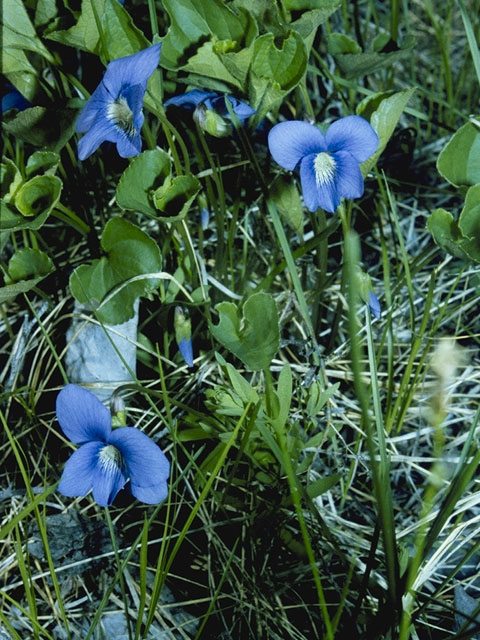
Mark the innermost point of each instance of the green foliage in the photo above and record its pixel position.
(459, 163)
(18, 36)
(192, 21)
(130, 253)
(384, 111)
(27, 263)
(140, 179)
(26, 268)
(290, 456)
(175, 196)
(459, 160)
(309, 21)
(43, 127)
(33, 202)
(281, 62)
(38, 196)
(341, 43)
(462, 238)
(322, 485)
(105, 28)
(147, 185)
(11, 180)
(45, 162)
(252, 337)
(355, 63)
(303, 5)
(285, 195)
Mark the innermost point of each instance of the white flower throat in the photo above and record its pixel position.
(122, 116)
(110, 458)
(325, 168)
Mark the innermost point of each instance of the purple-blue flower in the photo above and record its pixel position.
(114, 113)
(12, 99)
(330, 162)
(212, 101)
(107, 458)
(374, 305)
(186, 350)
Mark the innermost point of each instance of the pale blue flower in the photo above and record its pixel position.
(330, 162)
(114, 111)
(107, 458)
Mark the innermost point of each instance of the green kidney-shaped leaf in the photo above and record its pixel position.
(462, 238)
(42, 162)
(129, 252)
(283, 61)
(140, 179)
(38, 196)
(459, 161)
(174, 197)
(384, 118)
(28, 263)
(24, 264)
(254, 337)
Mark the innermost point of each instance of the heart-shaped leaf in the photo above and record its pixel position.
(252, 337)
(140, 179)
(282, 61)
(462, 238)
(175, 196)
(38, 196)
(459, 161)
(28, 263)
(129, 252)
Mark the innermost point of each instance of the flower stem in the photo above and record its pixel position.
(302, 302)
(120, 571)
(280, 430)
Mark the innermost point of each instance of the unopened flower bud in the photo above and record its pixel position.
(367, 295)
(211, 122)
(117, 409)
(183, 335)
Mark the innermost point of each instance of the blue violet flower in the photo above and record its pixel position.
(210, 110)
(374, 305)
(330, 162)
(106, 457)
(114, 113)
